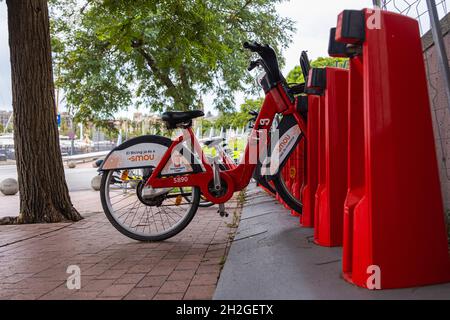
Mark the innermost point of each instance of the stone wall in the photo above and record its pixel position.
(439, 106)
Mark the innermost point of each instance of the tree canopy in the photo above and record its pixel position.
(240, 118)
(161, 54)
(296, 75)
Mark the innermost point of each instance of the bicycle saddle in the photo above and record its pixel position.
(174, 118)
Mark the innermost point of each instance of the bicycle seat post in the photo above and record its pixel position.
(216, 168)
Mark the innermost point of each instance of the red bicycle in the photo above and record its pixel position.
(151, 186)
(224, 159)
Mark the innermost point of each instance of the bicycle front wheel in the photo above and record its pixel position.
(284, 192)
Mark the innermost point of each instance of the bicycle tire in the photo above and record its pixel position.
(264, 182)
(147, 238)
(285, 193)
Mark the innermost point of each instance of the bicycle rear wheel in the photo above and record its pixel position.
(143, 213)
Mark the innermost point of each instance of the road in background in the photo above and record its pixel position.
(78, 179)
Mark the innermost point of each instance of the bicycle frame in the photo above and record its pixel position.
(276, 102)
(227, 161)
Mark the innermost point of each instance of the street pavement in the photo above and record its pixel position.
(35, 259)
(77, 179)
(85, 202)
(269, 257)
(272, 257)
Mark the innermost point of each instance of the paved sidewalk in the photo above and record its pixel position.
(272, 257)
(34, 260)
(86, 202)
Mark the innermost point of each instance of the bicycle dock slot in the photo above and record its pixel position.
(312, 160)
(394, 209)
(371, 182)
(350, 152)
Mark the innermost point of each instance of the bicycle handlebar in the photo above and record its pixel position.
(305, 65)
(268, 60)
(253, 65)
(255, 47)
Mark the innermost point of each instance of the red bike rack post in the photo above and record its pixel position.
(332, 184)
(312, 161)
(394, 217)
(302, 108)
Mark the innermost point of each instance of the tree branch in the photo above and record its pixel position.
(184, 78)
(172, 89)
(237, 13)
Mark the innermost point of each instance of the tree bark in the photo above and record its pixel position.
(44, 196)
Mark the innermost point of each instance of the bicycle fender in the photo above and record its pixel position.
(290, 135)
(141, 152)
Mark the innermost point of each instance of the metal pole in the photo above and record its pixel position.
(377, 3)
(440, 47)
(5, 130)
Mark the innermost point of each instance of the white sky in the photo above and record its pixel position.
(313, 18)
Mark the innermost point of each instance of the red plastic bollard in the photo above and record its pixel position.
(312, 160)
(302, 107)
(394, 217)
(332, 184)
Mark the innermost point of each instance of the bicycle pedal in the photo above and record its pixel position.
(223, 214)
(222, 211)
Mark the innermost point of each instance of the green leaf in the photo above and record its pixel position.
(163, 54)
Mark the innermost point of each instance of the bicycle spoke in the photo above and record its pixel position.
(156, 213)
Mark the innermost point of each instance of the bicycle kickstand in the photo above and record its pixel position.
(218, 186)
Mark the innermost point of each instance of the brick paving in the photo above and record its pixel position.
(34, 260)
(86, 202)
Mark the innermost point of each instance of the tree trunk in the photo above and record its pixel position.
(44, 196)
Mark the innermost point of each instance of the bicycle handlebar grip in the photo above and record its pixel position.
(254, 47)
(252, 65)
